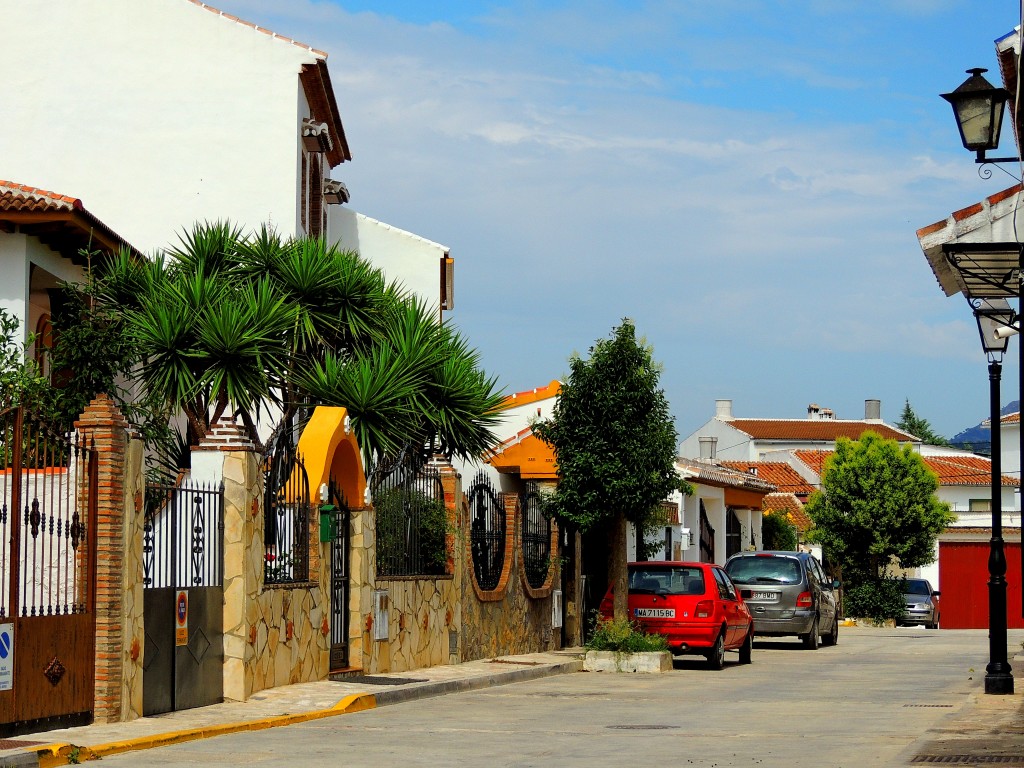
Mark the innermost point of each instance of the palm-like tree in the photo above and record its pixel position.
(263, 325)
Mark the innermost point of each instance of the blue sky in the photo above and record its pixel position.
(743, 179)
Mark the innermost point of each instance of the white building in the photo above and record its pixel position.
(167, 112)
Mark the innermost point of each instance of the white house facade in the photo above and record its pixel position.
(169, 112)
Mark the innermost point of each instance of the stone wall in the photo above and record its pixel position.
(447, 620)
(272, 635)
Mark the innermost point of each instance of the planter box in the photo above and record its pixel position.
(613, 661)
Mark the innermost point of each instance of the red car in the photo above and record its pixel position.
(694, 605)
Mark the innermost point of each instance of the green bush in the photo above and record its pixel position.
(623, 636)
(778, 533)
(879, 601)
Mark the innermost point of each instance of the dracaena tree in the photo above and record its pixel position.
(261, 326)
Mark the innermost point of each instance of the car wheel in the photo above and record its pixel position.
(832, 637)
(747, 649)
(811, 638)
(716, 657)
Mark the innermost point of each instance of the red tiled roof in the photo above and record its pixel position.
(1011, 418)
(789, 505)
(721, 476)
(59, 221)
(778, 473)
(951, 470)
(816, 429)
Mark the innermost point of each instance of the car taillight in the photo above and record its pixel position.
(704, 609)
(804, 601)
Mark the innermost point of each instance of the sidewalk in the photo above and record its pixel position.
(280, 706)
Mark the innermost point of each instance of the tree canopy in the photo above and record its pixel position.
(877, 503)
(615, 445)
(263, 327)
(915, 425)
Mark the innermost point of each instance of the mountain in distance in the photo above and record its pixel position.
(978, 437)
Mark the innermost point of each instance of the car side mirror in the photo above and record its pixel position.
(935, 593)
(836, 584)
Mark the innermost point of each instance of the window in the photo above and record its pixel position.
(980, 505)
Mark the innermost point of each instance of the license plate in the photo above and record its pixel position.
(768, 596)
(655, 613)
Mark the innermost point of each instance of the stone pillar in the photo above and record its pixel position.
(118, 569)
(228, 455)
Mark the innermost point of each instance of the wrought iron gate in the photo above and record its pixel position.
(47, 577)
(707, 537)
(536, 536)
(339, 579)
(733, 533)
(183, 604)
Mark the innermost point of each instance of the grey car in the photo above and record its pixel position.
(787, 593)
(922, 603)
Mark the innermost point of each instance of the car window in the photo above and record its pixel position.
(918, 587)
(765, 569)
(820, 572)
(725, 587)
(812, 572)
(675, 580)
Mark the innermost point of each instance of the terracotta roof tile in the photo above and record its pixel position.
(951, 470)
(19, 197)
(814, 459)
(1011, 418)
(789, 505)
(531, 395)
(716, 474)
(816, 429)
(931, 228)
(778, 473)
(59, 221)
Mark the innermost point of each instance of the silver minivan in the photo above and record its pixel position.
(787, 593)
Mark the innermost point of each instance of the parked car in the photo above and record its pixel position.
(788, 593)
(922, 603)
(694, 605)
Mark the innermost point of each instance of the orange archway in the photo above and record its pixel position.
(329, 450)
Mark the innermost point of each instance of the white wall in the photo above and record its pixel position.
(156, 114)
(409, 258)
(14, 275)
(733, 445)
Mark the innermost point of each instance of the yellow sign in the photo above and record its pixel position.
(181, 618)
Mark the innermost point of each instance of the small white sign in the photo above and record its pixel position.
(6, 657)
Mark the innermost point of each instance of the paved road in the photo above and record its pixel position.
(862, 703)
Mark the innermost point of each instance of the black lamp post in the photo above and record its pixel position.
(992, 316)
(989, 274)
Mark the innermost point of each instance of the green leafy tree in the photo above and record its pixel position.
(615, 445)
(915, 425)
(877, 503)
(20, 378)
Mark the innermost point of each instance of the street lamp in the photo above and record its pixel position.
(978, 107)
(992, 316)
(989, 274)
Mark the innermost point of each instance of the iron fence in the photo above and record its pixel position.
(286, 517)
(183, 536)
(536, 536)
(487, 531)
(411, 518)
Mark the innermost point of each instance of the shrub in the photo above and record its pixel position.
(623, 636)
(879, 601)
(778, 533)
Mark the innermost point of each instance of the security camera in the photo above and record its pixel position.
(1005, 331)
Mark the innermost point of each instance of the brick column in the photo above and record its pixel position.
(118, 567)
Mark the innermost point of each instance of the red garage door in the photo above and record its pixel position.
(963, 581)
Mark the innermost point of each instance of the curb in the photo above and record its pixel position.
(61, 753)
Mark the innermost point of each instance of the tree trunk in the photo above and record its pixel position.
(617, 571)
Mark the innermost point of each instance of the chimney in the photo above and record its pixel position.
(812, 411)
(708, 446)
(723, 410)
(873, 410)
